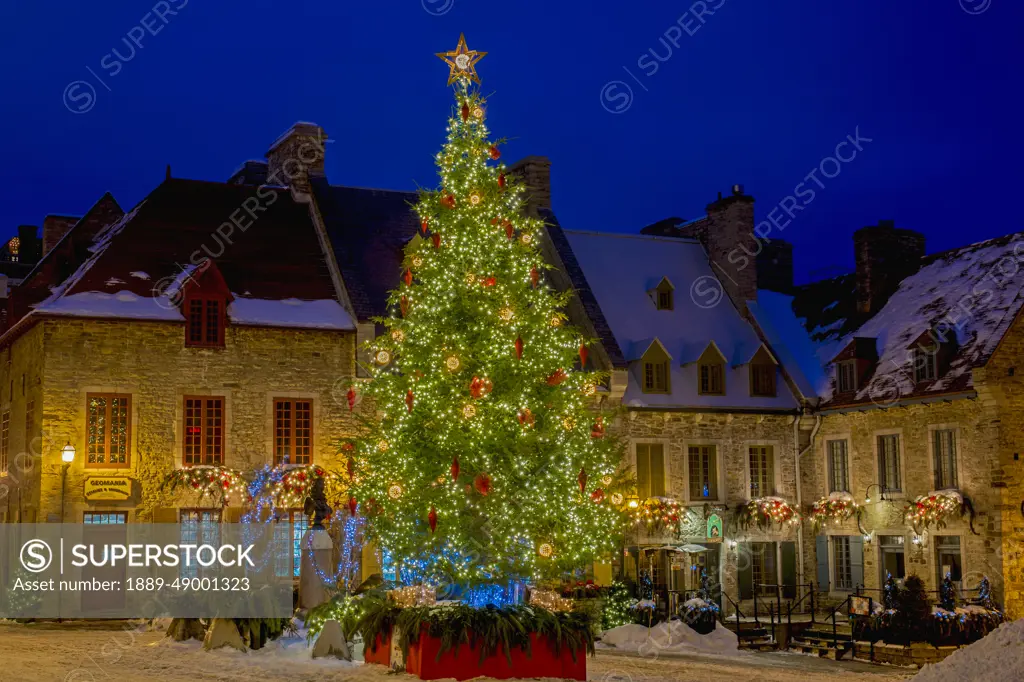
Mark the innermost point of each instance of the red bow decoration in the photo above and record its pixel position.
(478, 387)
(597, 430)
(482, 483)
(489, 281)
(557, 377)
(526, 417)
(597, 495)
(495, 153)
(351, 396)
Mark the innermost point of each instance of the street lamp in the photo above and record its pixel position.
(67, 455)
(867, 493)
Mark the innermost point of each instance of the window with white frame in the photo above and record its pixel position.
(703, 463)
(889, 475)
(838, 466)
(762, 470)
(944, 446)
(650, 470)
(842, 563)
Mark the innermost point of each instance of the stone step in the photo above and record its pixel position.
(821, 649)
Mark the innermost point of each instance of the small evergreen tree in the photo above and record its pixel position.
(914, 610)
(947, 594)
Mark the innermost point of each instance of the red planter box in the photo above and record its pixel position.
(463, 663)
(381, 655)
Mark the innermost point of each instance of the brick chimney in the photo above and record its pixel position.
(885, 256)
(728, 237)
(297, 156)
(535, 172)
(55, 227)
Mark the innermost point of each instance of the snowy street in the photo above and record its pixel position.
(52, 652)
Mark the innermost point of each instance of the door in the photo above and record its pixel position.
(104, 528)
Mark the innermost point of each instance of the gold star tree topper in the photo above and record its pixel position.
(462, 61)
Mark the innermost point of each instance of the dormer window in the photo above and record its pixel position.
(663, 295)
(204, 307)
(925, 363)
(846, 376)
(656, 368)
(762, 374)
(711, 372)
(205, 325)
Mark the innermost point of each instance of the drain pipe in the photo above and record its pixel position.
(799, 486)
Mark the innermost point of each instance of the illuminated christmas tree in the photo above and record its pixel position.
(486, 461)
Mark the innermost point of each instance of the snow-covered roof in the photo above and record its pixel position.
(788, 338)
(619, 270)
(972, 292)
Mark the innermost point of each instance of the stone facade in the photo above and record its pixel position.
(58, 361)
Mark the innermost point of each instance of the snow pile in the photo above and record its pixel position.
(672, 637)
(998, 657)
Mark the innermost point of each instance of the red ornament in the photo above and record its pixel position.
(584, 354)
(495, 153)
(534, 277)
(352, 506)
(409, 399)
(404, 303)
(494, 221)
(455, 469)
(526, 417)
(597, 430)
(196, 484)
(489, 281)
(478, 387)
(351, 468)
(432, 519)
(351, 396)
(448, 200)
(509, 230)
(597, 495)
(582, 479)
(482, 483)
(519, 348)
(436, 238)
(423, 226)
(465, 111)
(557, 377)
(407, 278)
(501, 180)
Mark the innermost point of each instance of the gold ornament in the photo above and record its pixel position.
(569, 423)
(395, 491)
(469, 410)
(589, 389)
(382, 445)
(462, 61)
(417, 261)
(606, 479)
(397, 335)
(556, 320)
(617, 499)
(452, 362)
(382, 357)
(546, 550)
(527, 238)
(478, 113)
(506, 314)
(470, 278)
(475, 197)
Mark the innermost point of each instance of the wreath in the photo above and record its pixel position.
(206, 481)
(836, 508)
(936, 508)
(766, 511)
(658, 513)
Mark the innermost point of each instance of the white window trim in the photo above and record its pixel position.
(957, 455)
(907, 542)
(827, 487)
(719, 458)
(833, 590)
(666, 459)
(776, 474)
(933, 557)
(901, 456)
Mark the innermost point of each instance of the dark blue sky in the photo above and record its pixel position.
(759, 94)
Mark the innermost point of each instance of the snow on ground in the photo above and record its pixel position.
(674, 637)
(998, 657)
(104, 652)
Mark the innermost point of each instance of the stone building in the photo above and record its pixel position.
(203, 328)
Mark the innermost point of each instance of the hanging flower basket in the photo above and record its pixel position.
(214, 481)
(936, 508)
(836, 509)
(658, 513)
(763, 512)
